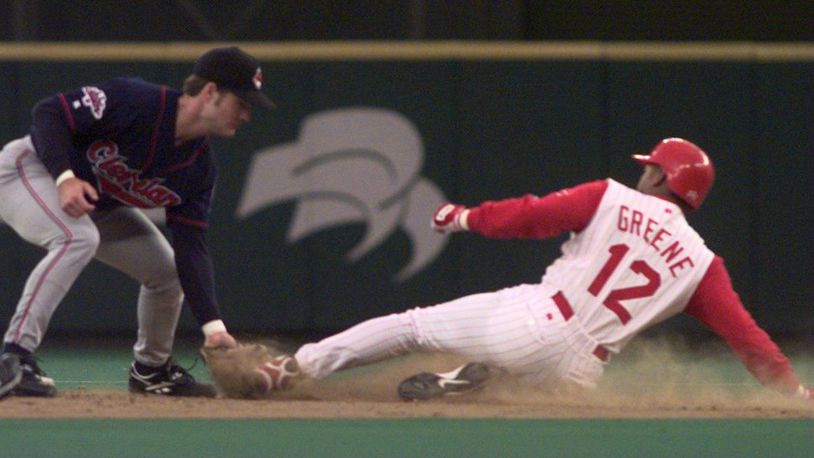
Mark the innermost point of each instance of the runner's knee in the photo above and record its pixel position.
(413, 338)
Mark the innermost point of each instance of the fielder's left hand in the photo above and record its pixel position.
(220, 340)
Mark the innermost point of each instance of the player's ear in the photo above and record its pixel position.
(652, 180)
(659, 177)
(210, 90)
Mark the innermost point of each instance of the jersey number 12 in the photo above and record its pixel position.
(613, 300)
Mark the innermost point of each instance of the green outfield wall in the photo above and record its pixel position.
(322, 207)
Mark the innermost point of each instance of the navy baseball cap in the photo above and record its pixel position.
(231, 68)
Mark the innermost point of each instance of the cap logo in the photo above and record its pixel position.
(258, 79)
(95, 99)
(692, 195)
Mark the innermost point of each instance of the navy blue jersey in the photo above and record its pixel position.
(122, 139)
(120, 136)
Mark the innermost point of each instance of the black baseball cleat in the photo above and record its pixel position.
(10, 373)
(167, 380)
(428, 385)
(33, 381)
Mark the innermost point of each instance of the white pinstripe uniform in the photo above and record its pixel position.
(637, 263)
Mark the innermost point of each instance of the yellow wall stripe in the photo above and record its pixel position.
(401, 50)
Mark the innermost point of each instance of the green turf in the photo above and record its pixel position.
(407, 438)
(95, 366)
(105, 366)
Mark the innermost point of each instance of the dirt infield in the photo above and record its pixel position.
(648, 385)
(117, 404)
(110, 404)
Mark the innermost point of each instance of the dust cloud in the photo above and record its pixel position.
(652, 377)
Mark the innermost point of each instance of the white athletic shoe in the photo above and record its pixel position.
(167, 380)
(428, 385)
(33, 382)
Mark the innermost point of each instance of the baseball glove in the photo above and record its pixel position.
(249, 371)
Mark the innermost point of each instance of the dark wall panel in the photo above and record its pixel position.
(257, 20)
(523, 128)
(466, 131)
(782, 265)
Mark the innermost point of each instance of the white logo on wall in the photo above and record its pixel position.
(348, 166)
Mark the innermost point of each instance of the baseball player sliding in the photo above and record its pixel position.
(632, 261)
(73, 186)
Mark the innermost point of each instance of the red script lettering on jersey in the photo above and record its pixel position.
(123, 183)
(634, 222)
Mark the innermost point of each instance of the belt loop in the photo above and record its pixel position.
(602, 353)
(563, 305)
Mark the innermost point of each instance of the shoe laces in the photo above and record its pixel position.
(29, 364)
(178, 373)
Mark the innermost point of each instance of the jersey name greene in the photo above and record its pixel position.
(655, 235)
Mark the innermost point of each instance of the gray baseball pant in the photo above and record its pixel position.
(123, 238)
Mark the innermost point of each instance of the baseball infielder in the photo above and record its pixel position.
(10, 373)
(73, 186)
(632, 261)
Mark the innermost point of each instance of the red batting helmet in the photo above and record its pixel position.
(689, 171)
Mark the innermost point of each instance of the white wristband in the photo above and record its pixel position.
(802, 392)
(68, 174)
(213, 327)
(461, 222)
